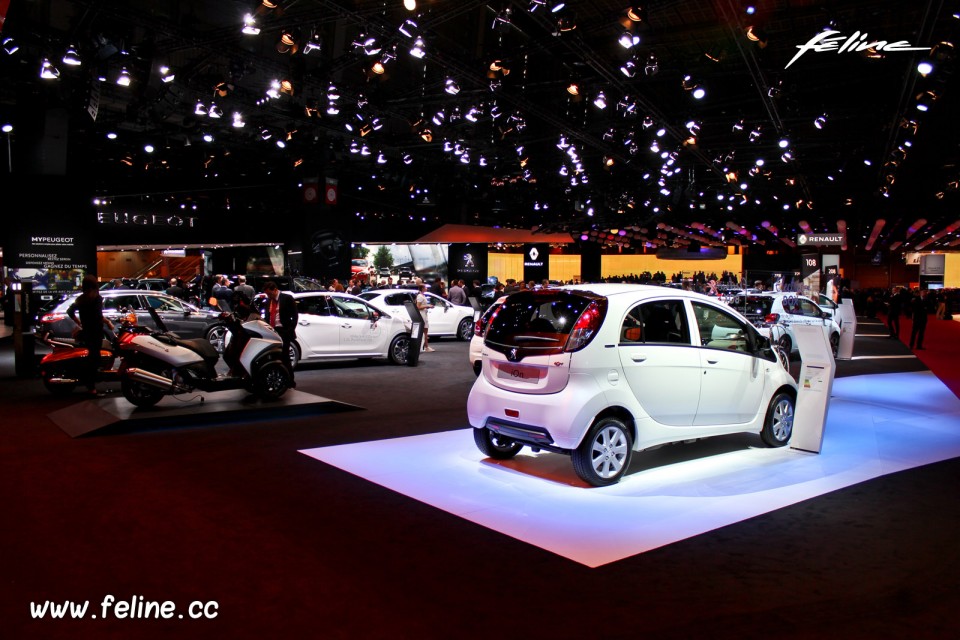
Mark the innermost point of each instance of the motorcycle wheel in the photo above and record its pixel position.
(137, 393)
(271, 381)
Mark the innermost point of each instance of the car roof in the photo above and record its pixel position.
(609, 289)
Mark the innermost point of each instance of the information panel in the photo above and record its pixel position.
(816, 385)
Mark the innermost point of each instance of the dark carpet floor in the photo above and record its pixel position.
(292, 548)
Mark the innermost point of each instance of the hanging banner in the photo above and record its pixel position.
(330, 192)
(536, 262)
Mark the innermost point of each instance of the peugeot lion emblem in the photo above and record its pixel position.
(512, 356)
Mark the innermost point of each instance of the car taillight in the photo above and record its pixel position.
(586, 327)
(53, 317)
(127, 337)
(771, 318)
(480, 328)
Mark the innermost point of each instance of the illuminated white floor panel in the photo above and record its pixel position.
(876, 425)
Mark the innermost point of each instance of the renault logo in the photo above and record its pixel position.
(534, 254)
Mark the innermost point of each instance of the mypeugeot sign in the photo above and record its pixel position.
(821, 239)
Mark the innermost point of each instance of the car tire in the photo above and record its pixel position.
(465, 329)
(216, 336)
(399, 352)
(778, 423)
(835, 343)
(271, 381)
(294, 355)
(137, 393)
(495, 446)
(604, 454)
(786, 344)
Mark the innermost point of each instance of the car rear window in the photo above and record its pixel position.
(539, 321)
(753, 306)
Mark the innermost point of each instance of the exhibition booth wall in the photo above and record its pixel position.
(566, 267)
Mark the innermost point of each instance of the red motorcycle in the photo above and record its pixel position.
(63, 368)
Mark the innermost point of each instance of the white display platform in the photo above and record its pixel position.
(878, 424)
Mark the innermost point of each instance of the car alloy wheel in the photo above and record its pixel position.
(778, 426)
(604, 455)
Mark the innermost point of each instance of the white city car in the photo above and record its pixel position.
(601, 371)
(444, 317)
(775, 315)
(479, 330)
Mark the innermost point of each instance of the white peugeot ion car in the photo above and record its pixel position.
(600, 371)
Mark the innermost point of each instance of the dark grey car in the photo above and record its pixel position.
(184, 319)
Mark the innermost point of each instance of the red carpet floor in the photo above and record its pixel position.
(941, 348)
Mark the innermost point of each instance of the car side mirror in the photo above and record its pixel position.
(374, 316)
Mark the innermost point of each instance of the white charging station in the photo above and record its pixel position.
(847, 317)
(815, 386)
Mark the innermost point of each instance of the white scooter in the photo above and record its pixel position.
(155, 364)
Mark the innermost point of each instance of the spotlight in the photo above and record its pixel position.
(820, 121)
(652, 66)
(699, 93)
(410, 5)
(407, 158)
(238, 120)
(313, 43)
(408, 28)
(71, 58)
(166, 74)
(756, 35)
(417, 50)
(215, 111)
(600, 101)
(10, 46)
(378, 67)
(628, 40)
(637, 13)
(629, 68)
(48, 71)
(124, 78)
(754, 135)
(250, 26)
(451, 87)
(573, 89)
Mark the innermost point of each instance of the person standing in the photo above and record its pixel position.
(243, 295)
(87, 313)
(176, 290)
(894, 309)
(281, 311)
(424, 306)
(456, 294)
(918, 313)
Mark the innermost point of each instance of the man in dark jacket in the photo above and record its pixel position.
(918, 313)
(281, 314)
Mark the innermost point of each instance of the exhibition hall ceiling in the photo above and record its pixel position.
(709, 121)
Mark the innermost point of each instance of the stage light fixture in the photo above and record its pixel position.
(600, 101)
(250, 26)
(451, 87)
(71, 57)
(417, 50)
(166, 74)
(48, 71)
(820, 121)
(636, 13)
(124, 78)
(10, 46)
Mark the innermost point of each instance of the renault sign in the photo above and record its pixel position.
(821, 239)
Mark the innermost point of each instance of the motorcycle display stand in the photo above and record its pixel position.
(113, 415)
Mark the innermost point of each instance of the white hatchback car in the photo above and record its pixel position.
(479, 330)
(600, 371)
(334, 326)
(444, 318)
(775, 315)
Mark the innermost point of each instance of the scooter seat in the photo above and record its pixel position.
(200, 346)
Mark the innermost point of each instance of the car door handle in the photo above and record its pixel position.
(304, 323)
(638, 357)
(709, 361)
(346, 325)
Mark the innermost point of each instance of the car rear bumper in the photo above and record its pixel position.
(554, 421)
